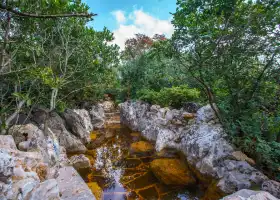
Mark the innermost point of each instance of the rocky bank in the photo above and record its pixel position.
(34, 164)
(197, 133)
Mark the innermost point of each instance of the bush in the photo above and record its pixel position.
(174, 96)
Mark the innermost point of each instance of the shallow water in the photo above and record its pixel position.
(120, 174)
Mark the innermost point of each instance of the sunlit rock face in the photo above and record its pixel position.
(97, 116)
(80, 161)
(84, 114)
(199, 136)
(30, 138)
(72, 186)
(23, 174)
(250, 195)
(55, 125)
(78, 123)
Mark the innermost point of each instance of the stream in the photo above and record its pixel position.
(120, 173)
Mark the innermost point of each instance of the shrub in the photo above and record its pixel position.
(174, 96)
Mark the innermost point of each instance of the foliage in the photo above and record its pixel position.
(174, 96)
(231, 49)
(151, 68)
(52, 62)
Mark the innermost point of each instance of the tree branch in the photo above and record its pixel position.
(23, 14)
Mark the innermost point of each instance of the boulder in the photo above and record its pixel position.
(72, 186)
(39, 116)
(141, 147)
(238, 155)
(200, 138)
(6, 171)
(27, 132)
(47, 190)
(78, 124)
(30, 138)
(23, 188)
(55, 126)
(21, 173)
(21, 119)
(191, 107)
(80, 161)
(6, 166)
(97, 116)
(273, 187)
(84, 114)
(205, 114)
(250, 195)
(7, 142)
(108, 106)
(172, 172)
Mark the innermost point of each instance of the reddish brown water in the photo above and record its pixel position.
(119, 174)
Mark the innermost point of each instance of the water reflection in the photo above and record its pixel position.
(121, 174)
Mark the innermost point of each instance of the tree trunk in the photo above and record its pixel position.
(5, 42)
(53, 98)
(12, 116)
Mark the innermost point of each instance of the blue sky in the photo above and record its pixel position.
(128, 17)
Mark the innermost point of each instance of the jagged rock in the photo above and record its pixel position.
(39, 116)
(238, 175)
(201, 140)
(205, 114)
(26, 132)
(55, 125)
(7, 142)
(273, 187)
(172, 172)
(20, 174)
(250, 195)
(77, 124)
(72, 186)
(191, 107)
(238, 155)
(22, 188)
(6, 166)
(108, 106)
(97, 116)
(30, 138)
(63, 159)
(86, 118)
(72, 144)
(80, 161)
(6, 171)
(24, 146)
(47, 190)
(21, 119)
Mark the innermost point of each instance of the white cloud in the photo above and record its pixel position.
(141, 23)
(119, 15)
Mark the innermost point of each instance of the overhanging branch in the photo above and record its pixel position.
(24, 14)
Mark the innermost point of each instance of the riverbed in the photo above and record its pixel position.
(120, 172)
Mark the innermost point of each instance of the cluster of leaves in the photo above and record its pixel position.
(146, 66)
(52, 61)
(174, 97)
(231, 49)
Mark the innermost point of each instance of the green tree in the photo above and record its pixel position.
(231, 49)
